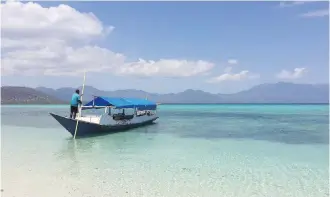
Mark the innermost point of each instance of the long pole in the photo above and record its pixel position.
(82, 92)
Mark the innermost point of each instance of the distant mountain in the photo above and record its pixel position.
(265, 93)
(24, 95)
(188, 96)
(284, 93)
(65, 94)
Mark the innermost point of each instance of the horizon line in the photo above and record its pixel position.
(19, 86)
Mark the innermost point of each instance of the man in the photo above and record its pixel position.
(75, 101)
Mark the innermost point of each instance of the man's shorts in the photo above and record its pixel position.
(74, 109)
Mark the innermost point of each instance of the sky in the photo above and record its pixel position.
(162, 47)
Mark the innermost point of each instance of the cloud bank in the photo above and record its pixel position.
(59, 41)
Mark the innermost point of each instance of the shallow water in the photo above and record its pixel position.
(193, 150)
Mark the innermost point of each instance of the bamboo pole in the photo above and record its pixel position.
(82, 92)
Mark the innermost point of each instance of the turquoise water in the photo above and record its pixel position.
(193, 150)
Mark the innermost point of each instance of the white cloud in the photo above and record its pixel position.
(228, 76)
(295, 74)
(316, 13)
(58, 41)
(163, 67)
(232, 61)
(61, 60)
(292, 3)
(310, 14)
(31, 20)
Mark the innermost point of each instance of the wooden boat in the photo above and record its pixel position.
(117, 114)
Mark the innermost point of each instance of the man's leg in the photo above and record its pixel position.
(71, 111)
(75, 110)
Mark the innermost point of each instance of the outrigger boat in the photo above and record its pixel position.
(143, 112)
(115, 117)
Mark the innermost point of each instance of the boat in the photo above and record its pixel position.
(114, 114)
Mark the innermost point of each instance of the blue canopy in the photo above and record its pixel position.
(121, 103)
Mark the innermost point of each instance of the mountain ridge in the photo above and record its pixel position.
(26, 95)
(281, 92)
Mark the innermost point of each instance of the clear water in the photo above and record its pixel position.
(193, 150)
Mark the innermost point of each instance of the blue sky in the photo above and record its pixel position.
(263, 37)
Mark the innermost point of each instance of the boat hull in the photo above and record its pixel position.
(91, 129)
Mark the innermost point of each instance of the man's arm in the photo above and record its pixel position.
(79, 99)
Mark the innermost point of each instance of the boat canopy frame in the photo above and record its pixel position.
(120, 103)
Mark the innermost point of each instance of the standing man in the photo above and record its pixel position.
(75, 101)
